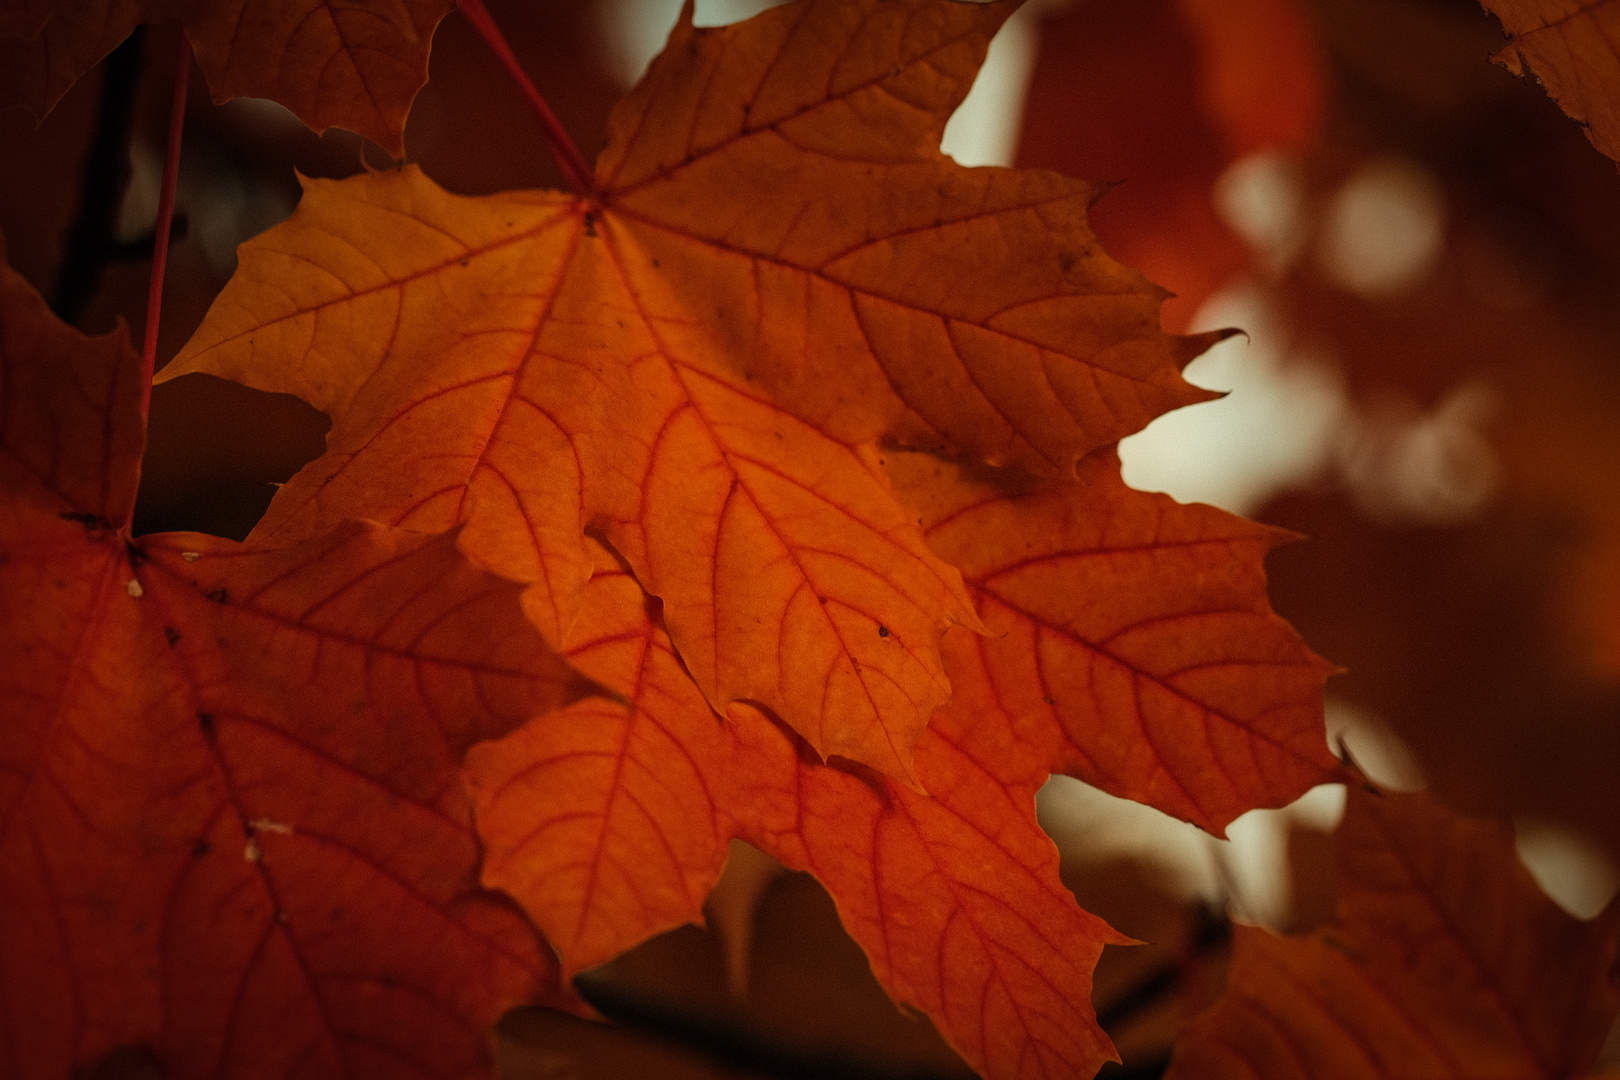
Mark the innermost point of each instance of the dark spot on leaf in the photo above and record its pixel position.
(656, 264)
(171, 634)
(464, 262)
(206, 722)
(883, 631)
(590, 225)
(220, 596)
(1048, 700)
(201, 847)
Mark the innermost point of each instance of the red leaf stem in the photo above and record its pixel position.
(567, 155)
(165, 220)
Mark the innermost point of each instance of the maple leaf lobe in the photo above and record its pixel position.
(356, 65)
(1131, 642)
(54, 384)
(1444, 959)
(955, 897)
(964, 310)
(534, 405)
(190, 784)
(698, 379)
(1571, 49)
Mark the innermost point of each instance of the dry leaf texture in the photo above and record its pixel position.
(1573, 48)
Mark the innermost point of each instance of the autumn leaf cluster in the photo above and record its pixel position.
(765, 489)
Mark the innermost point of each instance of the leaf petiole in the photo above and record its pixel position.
(165, 220)
(563, 151)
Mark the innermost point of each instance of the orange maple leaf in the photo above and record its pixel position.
(663, 403)
(608, 821)
(356, 65)
(231, 828)
(778, 270)
(1570, 46)
(1445, 960)
(1130, 644)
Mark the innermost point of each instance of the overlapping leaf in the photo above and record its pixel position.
(609, 822)
(1130, 644)
(356, 65)
(231, 827)
(45, 47)
(1573, 48)
(697, 363)
(778, 270)
(1445, 960)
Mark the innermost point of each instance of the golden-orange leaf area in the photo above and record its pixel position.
(357, 64)
(1130, 643)
(609, 821)
(232, 830)
(1573, 48)
(779, 271)
(706, 412)
(1131, 646)
(1445, 960)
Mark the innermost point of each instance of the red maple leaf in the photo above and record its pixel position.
(230, 818)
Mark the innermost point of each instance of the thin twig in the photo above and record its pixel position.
(90, 240)
(733, 1042)
(567, 155)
